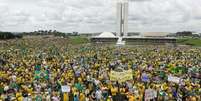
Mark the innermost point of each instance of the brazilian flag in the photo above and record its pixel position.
(162, 74)
(14, 85)
(37, 75)
(46, 75)
(37, 67)
(180, 70)
(174, 70)
(1, 90)
(38, 98)
(79, 86)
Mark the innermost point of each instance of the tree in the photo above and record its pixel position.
(9, 35)
(184, 33)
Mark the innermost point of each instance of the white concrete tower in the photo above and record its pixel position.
(122, 18)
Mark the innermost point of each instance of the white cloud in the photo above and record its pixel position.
(99, 15)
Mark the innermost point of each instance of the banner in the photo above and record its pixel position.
(150, 94)
(121, 76)
(173, 79)
(65, 89)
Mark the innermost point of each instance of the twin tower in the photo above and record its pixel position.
(122, 18)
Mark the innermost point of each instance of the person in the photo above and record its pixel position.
(38, 97)
(131, 97)
(114, 91)
(65, 96)
(42, 66)
(75, 98)
(82, 97)
(98, 95)
(55, 96)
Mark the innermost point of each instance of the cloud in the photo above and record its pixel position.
(99, 15)
(139, 0)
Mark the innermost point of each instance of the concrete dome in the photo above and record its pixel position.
(106, 35)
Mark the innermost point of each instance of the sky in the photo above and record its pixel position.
(99, 15)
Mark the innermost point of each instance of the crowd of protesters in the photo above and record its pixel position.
(32, 70)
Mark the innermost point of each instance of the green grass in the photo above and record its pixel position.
(78, 40)
(189, 41)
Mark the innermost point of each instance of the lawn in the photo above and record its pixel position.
(190, 41)
(78, 40)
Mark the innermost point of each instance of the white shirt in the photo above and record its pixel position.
(96, 82)
(54, 98)
(98, 94)
(86, 99)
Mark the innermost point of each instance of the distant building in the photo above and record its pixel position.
(155, 34)
(105, 37)
(184, 33)
(171, 35)
(122, 34)
(75, 33)
(122, 18)
(133, 34)
(196, 34)
(147, 39)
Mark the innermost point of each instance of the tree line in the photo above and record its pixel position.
(50, 32)
(184, 33)
(9, 35)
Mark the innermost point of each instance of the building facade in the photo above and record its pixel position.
(122, 18)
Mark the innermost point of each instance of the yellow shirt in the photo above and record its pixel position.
(82, 97)
(18, 94)
(108, 99)
(65, 97)
(122, 90)
(20, 98)
(30, 90)
(131, 98)
(140, 98)
(114, 91)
